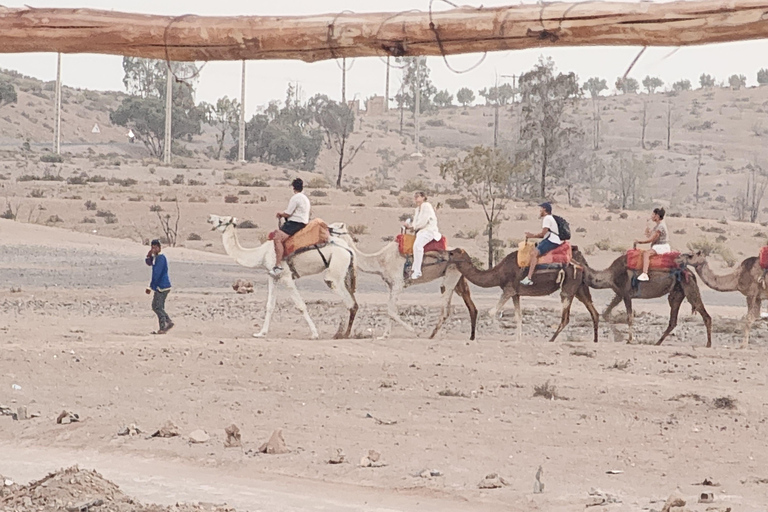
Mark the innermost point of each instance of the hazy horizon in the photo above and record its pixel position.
(267, 80)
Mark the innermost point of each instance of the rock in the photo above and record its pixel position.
(199, 436)
(168, 430)
(233, 437)
(492, 481)
(21, 413)
(429, 473)
(707, 497)
(338, 458)
(372, 460)
(674, 500)
(275, 445)
(65, 417)
(538, 487)
(130, 430)
(598, 497)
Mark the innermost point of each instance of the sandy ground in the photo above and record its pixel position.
(76, 338)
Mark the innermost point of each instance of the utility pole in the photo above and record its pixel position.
(386, 89)
(241, 127)
(57, 109)
(417, 105)
(496, 115)
(168, 115)
(344, 81)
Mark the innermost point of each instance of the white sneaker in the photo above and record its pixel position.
(643, 277)
(415, 276)
(275, 272)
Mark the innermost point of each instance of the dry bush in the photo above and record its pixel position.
(620, 365)
(317, 182)
(547, 391)
(231, 198)
(452, 393)
(357, 229)
(459, 203)
(724, 402)
(247, 224)
(90, 205)
(88, 220)
(583, 353)
(194, 237)
(318, 193)
(37, 193)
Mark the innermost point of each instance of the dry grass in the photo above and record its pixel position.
(357, 229)
(724, 402)
(547, 391)
(620, 365)
(452, 393)
(583, 353)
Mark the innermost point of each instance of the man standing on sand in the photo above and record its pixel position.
(160, 285)
(296, 218)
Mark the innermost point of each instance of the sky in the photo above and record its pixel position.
(268, 80)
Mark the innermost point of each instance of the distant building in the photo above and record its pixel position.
(375, 106)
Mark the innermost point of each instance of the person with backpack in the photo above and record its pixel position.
(554, 230)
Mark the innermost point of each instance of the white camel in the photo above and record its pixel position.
(335, 260)
(388, 263)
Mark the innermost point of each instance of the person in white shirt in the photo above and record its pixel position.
(425, 224)
(551, 240)
(297, 217)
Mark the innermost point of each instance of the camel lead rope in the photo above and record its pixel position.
(560, 276)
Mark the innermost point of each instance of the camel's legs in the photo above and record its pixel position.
(395, 289)
(345, 290)
(675, 299)
(449, 283)
(496, 310)
(462, 288)
(614, 302)
(753, 313)
(585, 297)
(693, 294)
(630, 317)
(518, 316)
(271, 300)
(299, 303)
(566, 300)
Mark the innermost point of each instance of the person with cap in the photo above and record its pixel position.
(160, 285)
(296, 218)
(550, 239)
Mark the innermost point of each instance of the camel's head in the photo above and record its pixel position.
(694, 259)
(340, 229)
(459, 256)
(221, 223)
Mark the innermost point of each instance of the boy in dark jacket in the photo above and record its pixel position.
(160, 285)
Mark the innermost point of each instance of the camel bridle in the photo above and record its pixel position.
(230, 222)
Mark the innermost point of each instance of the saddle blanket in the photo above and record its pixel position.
(560, 256)
(405, 244)
(314, 233)
(658, 261)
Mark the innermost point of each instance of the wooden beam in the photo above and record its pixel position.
(314, 38)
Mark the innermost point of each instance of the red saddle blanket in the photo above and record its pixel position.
(658, 261)
(764, 258)
(405, 244)
(314, 233)
(562, 255)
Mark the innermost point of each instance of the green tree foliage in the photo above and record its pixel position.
(500, 95)
(7, 94)
(337, 122)
(222, 116)
(415, 71)
(628, 177)
(465, 96)
(682, 85)
(443, 99)
(144, 110)
(651, 83)
(627, 85)
(737, 81)
(594, 86)
(485, 174)
(706, 81)
(762, 76)
(545, 98)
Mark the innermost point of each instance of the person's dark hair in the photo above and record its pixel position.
(547, 207)
(155, 242)
(420, 194)
(298, 184)
(660, 212)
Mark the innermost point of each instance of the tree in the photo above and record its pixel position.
(222, 117)
(737, 82)
(671, 119)
(337, 122)
(681, 85)
(706, 81)
(644, 122)
(762, 76)
(627, 86)
(545, 97)
(699, 165)
(747, 205)
(416, 71)
(465, 96)
(443, 99)
(626, 177)
(595, 86)
(485, 174)
(651, 83)
(7, 94)
(497, 95)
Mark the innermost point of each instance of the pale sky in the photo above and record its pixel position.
(268, 79)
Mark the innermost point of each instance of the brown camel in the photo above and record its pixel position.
(507, 275)
(677, 285)
(748, 279)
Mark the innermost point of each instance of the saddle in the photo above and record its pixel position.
(312, 236)
(554, 259)
(405, 244)
(764, 258)
(658, 261)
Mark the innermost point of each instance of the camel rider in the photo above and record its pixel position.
(658, 237)
(425, 224)
(550, 240)
(296, 217)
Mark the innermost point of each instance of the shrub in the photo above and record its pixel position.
(179, 179)
(195, 183)
(459, 203)
(77, 180)
(164, 182)
(435, 122)
(53, 219)
(317, 182)
(51, 158)
(547, 391)
(98, 178)
(604, 244)
(194, 237)
(318, 193)
(358, 229)
(104, 213)
(155, 208)
(126, 182)
(37, 193)
(231, 198)
(88, 220)
(247, 224)
(90, 205)
(112, 219)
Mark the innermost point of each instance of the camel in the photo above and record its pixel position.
(388, 263)
(507, 275)
(748, 279)
(335, 260)
(677, 285)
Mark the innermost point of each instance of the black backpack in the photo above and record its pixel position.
(563, 229)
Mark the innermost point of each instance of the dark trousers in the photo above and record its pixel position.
(158, 306)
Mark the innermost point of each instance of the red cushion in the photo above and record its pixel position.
(658, 261)
(562, 254)
(437, 245)
(764, 258)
